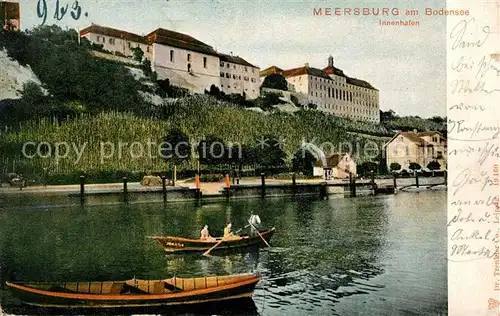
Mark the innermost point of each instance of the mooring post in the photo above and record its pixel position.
(374, 185)
(445, 178)
(353, 192)
(416, 178)
(198, 187)
(164, 187)
(294, 184)
(174, 178)
(394, 180)
(82, 189)
(125, 190)
(263, 184)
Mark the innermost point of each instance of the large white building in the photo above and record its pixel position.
(239, 76)
(184, 60)
(333, 91)
(116, 41)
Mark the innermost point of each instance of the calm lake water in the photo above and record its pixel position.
(383, 255)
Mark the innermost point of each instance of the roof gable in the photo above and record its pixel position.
(235, 60)
(111, 32)
(179, 40)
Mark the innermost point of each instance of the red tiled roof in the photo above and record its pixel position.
(179, 40)
(357, 82)
(305, 70)
(273, 70)
(111, 32)
(235, 60)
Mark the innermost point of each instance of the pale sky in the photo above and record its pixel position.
(407, 64)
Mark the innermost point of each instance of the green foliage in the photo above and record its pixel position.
(367, 167)
(177, 147)
(69, 71)
(269, 155)
(275, 81)
(165, 89)
(138, 54)
(414, 166)
(395, 166)
(434, 165)
(303, 162)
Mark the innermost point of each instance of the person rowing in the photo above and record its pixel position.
(228, 234)
(254, 224)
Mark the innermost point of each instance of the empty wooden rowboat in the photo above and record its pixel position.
(135, 293)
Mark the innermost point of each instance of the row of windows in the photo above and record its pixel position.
(188, 57)
(235, 87)
(112, 41)
(245, 68)
(236, 77)
(341, 95)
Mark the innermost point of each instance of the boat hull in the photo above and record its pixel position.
(185, 245)
(47, 299)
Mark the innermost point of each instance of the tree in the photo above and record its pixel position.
(269, 154)
(395, 167)
(213, 151)
(303, 162)
(366, 168)
(275, 81)
(177, 147)
(138, 54)
(433, 165)
(414, 166)
(312, 106)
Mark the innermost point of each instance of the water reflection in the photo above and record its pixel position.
(324, 252)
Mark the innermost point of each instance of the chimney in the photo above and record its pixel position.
(330, 61)
(306, 64)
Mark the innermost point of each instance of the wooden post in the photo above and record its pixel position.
(294, 184)
(445, 177)
(416, 178)
(125, 190)
(228, 184)
(374, 185)
(82, 189)
(175, 176)
(394, 180)
(323, 190)
(353, 191)
(263, 185)
(164, 188)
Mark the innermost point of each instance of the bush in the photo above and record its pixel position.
(275, 81)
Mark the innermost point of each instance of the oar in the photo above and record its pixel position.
(259, 234)
(208, 251)
(241, 229)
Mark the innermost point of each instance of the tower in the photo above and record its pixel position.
(10, 18)
(330, 61)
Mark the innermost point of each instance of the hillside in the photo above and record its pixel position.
(69, 96)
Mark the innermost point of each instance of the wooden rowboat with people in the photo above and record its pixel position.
(135, 293)
(185, 245)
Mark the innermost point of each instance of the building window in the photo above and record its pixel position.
(189, 68)
(189, 57)
(129, 44)
(171, 55)
(222, 74)
(246, 69)
(147, 49)
(407, 151)
(245, 78)
(204, 62)
(222, 64)
(253, 80)
(234, 66)
(112, 41)
(98, 39)
(228, 75)
(227, 65)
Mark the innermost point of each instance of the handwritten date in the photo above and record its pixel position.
(60, 10)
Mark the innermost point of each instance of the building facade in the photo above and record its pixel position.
(341, 165)
(333, 92)
(10, 17)
(422, 148)
(116, 41)
(185, 61)
(239, 76)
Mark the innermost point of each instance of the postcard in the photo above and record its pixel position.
(209, 157)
